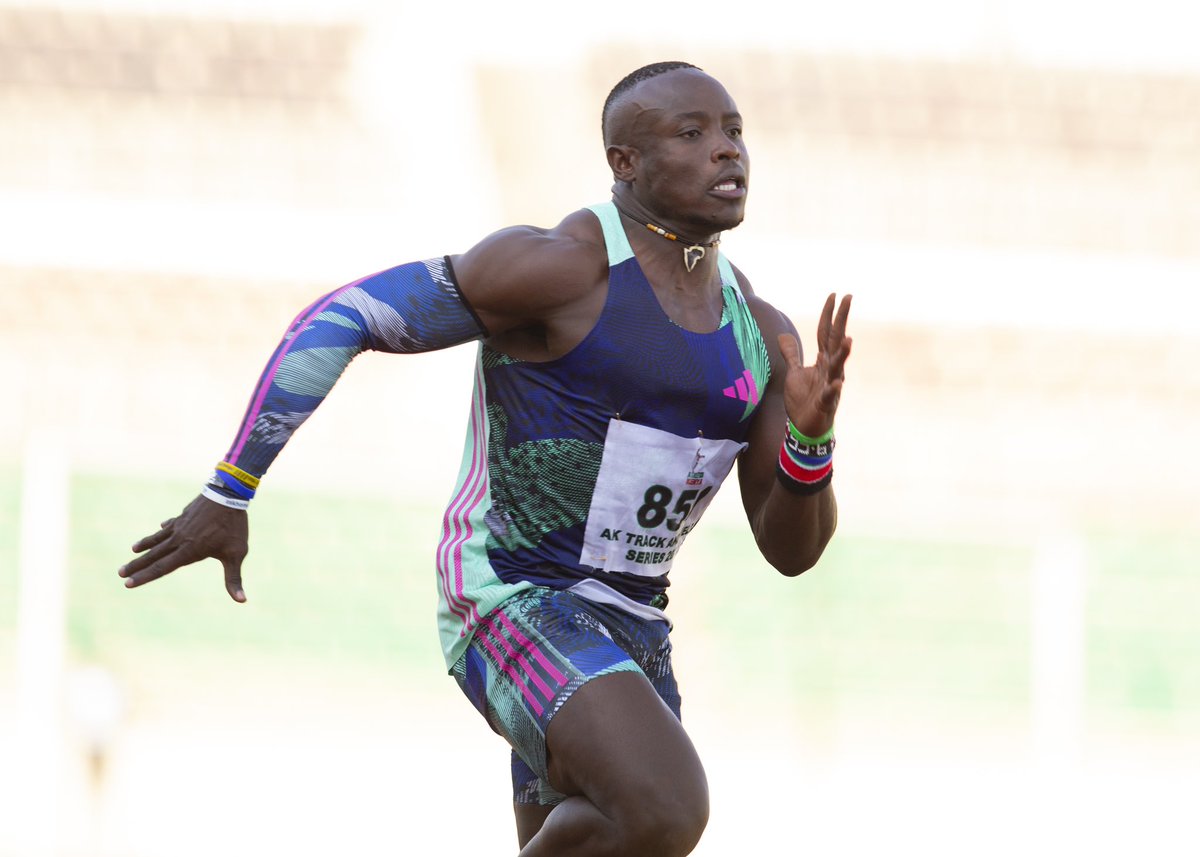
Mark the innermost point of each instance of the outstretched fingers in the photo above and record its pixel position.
(155, 538)
(204, 529)
(152, 563)
(166, 555)
(833, 348)
(831, 329)
(831, 335)
(825, 324)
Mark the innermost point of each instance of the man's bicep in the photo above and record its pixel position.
(520, 275)
(489, 278)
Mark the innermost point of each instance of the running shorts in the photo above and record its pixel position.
(532, 652)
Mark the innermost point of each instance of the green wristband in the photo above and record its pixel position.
(801, 437)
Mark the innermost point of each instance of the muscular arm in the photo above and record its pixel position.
(538, 291)
(407, 309)
(530, 287)
(792, 529)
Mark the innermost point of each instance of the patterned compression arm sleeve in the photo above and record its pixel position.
(408, 309)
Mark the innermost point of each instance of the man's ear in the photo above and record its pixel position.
(623, 161)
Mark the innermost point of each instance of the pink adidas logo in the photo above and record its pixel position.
(744, 389)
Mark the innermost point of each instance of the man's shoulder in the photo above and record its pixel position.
(524, 274)
(576, 240)
(581, 225)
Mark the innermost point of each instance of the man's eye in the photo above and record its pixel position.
(734, 132)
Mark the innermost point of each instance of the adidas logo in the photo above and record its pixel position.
(744, 389)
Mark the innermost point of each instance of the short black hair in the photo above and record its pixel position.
(631, 80)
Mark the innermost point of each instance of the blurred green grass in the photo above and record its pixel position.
(1144, 627)
(330, 581)
(344, 582)
(877, 617)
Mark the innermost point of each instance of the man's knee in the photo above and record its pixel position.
(665, 824)
(617, 745)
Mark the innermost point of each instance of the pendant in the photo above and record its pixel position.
(691, 256)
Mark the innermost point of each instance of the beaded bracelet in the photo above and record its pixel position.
(805, 463)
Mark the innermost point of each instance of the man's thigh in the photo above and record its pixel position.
(621, 755)
(532, 655)
(617, 743)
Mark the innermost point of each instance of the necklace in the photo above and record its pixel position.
(692, 253)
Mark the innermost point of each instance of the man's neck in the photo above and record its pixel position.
(666, 227)
(671, 252)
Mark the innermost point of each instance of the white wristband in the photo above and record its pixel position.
(230, 502)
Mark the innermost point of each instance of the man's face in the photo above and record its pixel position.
(691, 166)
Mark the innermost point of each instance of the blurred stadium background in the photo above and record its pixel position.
(999, 654)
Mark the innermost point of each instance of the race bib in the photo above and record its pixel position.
(652, 489)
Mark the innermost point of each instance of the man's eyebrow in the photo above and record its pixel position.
(702, 114)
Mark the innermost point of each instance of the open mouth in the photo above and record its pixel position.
(732, 185)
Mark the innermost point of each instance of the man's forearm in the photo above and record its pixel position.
(411, 308)
(792, 530)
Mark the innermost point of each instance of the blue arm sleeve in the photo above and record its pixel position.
(407, 309)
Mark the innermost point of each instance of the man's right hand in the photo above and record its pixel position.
(203, 529)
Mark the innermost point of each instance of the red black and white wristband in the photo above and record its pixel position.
(805, 463)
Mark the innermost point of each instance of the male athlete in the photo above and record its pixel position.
(624, 368)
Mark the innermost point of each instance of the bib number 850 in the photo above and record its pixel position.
(653, 511)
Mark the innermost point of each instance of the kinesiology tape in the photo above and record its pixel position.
(408, 309)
